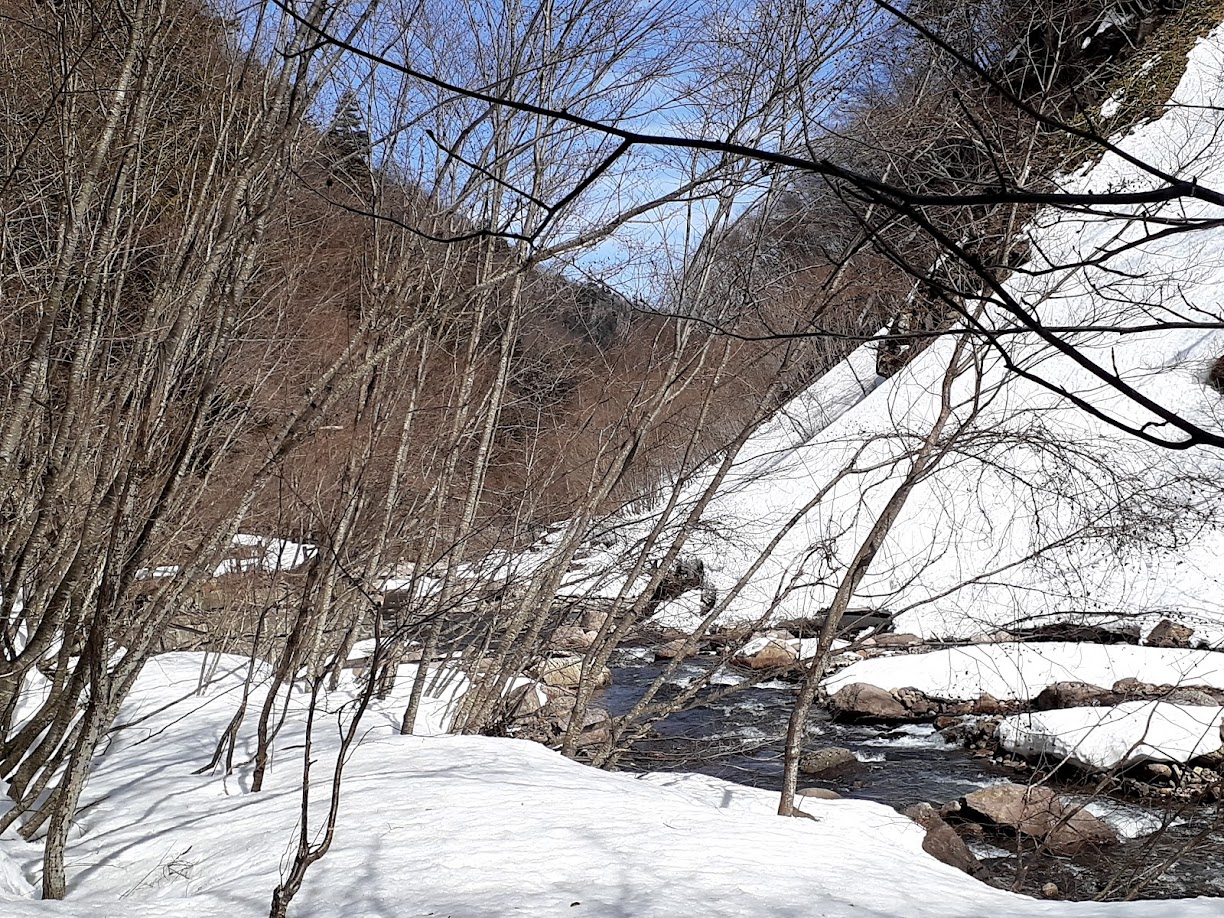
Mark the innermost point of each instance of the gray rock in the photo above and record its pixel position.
(860, 701)
(941, 841)
(818, 793)
(1039, 813)
(832, 760)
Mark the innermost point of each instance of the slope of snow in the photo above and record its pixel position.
(1020, 671)
(471, 826)
(1104, 738)
(1039, 512)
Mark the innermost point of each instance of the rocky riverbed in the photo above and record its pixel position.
(1073, 836)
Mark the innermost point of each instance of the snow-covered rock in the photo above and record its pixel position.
(1105, 738)
(1020, 671)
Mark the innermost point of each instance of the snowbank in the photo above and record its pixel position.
(1104, 738)
(1049, 514)
(473, 827)
(1019, 671)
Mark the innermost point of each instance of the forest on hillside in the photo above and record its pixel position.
(348, 336)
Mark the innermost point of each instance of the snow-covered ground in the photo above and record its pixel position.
(471, 826)
(1041, 512)
(1104, 738)
(1019, 671)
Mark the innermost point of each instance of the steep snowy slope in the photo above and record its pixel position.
(1037, 509)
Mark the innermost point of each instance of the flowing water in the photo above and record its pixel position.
(740, 738)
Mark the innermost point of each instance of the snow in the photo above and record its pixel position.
(1019, 671)
(1105, 738)
(1043, 513)
(470, 826)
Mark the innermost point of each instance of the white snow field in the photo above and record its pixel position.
(472, 826)
(1104, 738)
(1041, 512)
(1019, 671)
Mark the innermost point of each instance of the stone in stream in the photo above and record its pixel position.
(1039, 813)
(941, 841)
(860, 701)
(776, 653)
(1169, 634)
(828, 762)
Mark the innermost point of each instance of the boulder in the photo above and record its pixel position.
(1071, 695)
(860, 701)
(819, 793)
(987, 704)
(775, 654)
(1039, 813)
(828, 762)
(941, 841)
(525, 700)
(593, 619)
(572, 638)
(670, 650)
(1169, 634)
(565, 672)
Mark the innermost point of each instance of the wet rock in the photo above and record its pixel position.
(828, 762)
(1072, 695)
(941, 841)
(818, 793)
(1169, 634)
(1039, 813)
(860, 701)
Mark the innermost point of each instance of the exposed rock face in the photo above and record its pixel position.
(828, 762)
(860, 701)
(1038, 813)
(1168, 634)
(1072, 695)
(941, 841)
